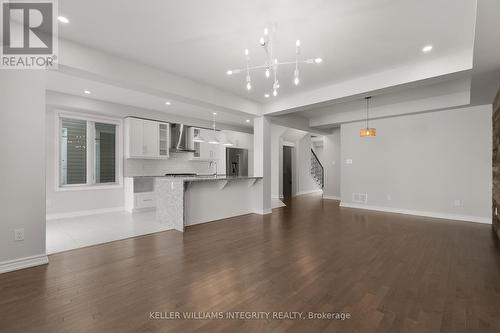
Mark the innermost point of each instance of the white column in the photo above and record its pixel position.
(22, 168)
(262, 163)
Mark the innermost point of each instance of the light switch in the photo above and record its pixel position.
(348, 161)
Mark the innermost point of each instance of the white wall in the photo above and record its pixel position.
(97, 199)
(22, 167)
(329, 156)
(262, 164)
(422, 163)
(71, 201)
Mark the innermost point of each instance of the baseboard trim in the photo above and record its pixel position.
(307, 192)
(83, 213)
(21, 263)
(263, 211)
(446, 216)
(330, 197)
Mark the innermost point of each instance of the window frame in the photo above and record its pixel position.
(91, 151)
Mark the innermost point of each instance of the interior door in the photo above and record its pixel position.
(287, 172)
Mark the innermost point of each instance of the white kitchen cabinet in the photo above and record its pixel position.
(205, 150)
(164, 140)
(133, 137)
(139, 193)
(239, 139)
(150, 135)
(146, 139)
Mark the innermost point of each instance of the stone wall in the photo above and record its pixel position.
(496, 164)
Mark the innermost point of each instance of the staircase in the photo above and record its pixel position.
(317, 170)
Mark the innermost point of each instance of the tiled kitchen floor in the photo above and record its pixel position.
(71, 233)
(76, 232)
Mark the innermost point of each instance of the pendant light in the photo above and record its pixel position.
(367, 132)
(214, 140)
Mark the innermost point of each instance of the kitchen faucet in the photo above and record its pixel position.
(210, 165)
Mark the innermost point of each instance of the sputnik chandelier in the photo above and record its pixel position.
(271, 65)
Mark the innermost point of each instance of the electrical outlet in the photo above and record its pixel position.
(457, 203)
(18, 235)
(348, 161)
(388, 196)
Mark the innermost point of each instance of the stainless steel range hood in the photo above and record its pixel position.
(179, 142)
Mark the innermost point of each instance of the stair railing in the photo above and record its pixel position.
(317, 170)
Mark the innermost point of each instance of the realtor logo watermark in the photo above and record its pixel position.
(29, 34)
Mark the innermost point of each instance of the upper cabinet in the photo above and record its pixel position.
(146, 139)
(239, 139)
(204, 150)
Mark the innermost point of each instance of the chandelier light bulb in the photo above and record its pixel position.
(272, 65)
(249, 84)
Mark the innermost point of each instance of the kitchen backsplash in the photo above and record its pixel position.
(177, 163)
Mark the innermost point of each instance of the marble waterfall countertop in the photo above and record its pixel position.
(188, 200)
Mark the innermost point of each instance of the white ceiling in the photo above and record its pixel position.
(201, 39)
(59, 82)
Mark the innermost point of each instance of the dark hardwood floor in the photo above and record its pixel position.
(392, 273)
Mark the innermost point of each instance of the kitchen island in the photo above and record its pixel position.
(184, 201)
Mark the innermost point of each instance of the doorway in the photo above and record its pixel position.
(287, 172)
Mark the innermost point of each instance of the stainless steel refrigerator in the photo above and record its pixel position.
(236, 162)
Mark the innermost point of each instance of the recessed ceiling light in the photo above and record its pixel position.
(266, 95)
(248, 120)
(168, 103)
(63, 19)
(318, 60)
(215, 113)
(87, 92)
(427, 48)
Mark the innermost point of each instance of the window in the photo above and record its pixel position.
(88, 151)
